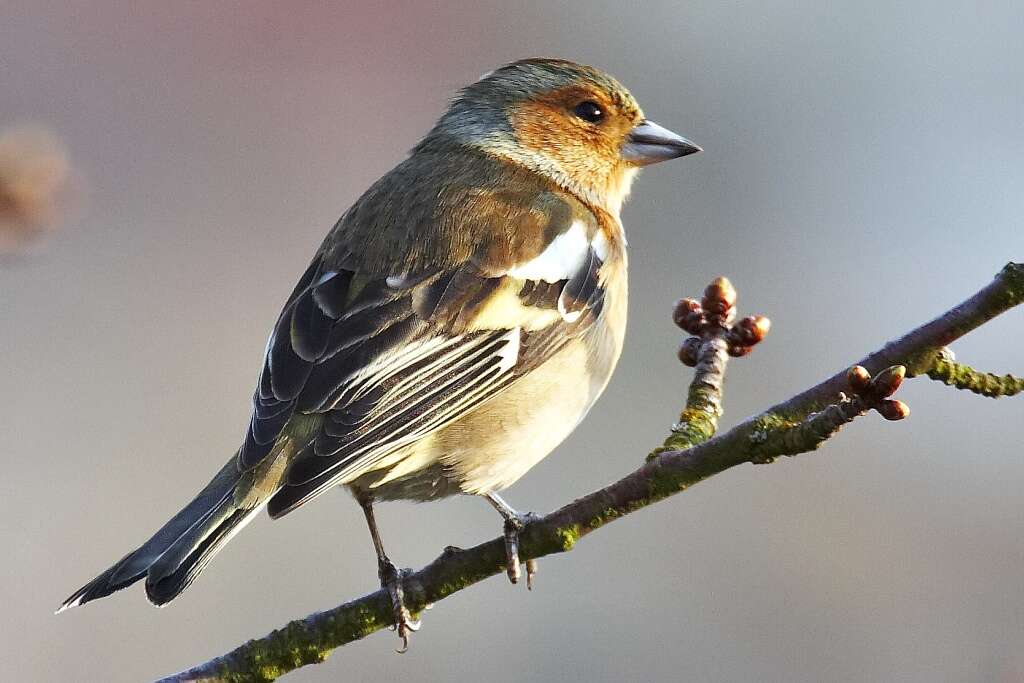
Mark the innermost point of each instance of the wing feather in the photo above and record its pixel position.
(428, 384)
(378, 360)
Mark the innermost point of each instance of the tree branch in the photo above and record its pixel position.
(797, 425)
(945, 369)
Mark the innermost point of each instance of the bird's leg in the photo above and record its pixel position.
(390, 580)
(514, 523)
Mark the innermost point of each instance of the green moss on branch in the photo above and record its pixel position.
(967, 378)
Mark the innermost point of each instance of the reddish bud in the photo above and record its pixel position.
(719, 297)
(858, 378)
(888, 381)
(739, 351)
(683, 309)
(750, 330)
(892, 409)
(688, 315)
(689, 350)
(761, 326)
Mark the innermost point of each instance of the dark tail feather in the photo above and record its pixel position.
(166, 580)
(114, 579)
(180, 549)
(292, 496)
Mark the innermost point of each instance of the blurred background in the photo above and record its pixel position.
(863, 172)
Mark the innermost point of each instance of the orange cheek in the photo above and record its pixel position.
(539, 128)
(546, 129)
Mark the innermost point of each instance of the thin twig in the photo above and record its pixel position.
(945, 369)
(312, 639)
(715, 339)
(781, 437)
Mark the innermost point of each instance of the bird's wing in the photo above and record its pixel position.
(418, 357)
(384, 361)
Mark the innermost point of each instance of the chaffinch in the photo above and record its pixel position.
(455, 325)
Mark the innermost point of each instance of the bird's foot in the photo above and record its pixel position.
(391, 580)
(514, 524)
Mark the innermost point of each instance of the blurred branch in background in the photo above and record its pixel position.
(691, 454)
(34, 186)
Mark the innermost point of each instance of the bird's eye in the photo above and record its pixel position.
(589, 111)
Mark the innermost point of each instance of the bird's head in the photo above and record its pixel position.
(571, 123)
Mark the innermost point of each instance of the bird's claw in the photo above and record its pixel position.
(404, 624)
(512, 528)
(405, 627)
(531, 569)
(514, 524)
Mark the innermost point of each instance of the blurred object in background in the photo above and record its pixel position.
(34, 186)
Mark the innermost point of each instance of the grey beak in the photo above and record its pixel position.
(649, 143)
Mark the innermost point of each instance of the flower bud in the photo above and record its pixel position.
(689, 351)
(688, 315)
(888, 381)
(719, 297)
(858, 378)
(891, 409)
(750, 330)
(738, 351)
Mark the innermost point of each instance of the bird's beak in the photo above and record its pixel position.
(649, 143)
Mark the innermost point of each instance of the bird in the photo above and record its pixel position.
(456, 324)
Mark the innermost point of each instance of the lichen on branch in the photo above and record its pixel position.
(945, 369)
